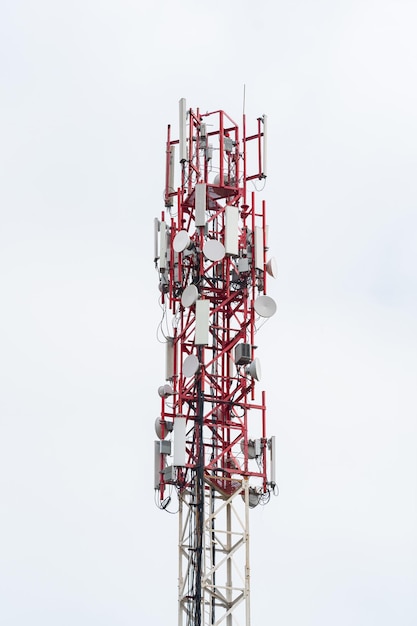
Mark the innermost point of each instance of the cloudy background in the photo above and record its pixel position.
(86, 91)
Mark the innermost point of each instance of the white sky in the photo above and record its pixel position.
(86, 91)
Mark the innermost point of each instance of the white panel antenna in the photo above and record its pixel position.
(179, 442)
(155, 239)
(169, 358)
(200, 204)
(202, 314)
(272, 448)
(171, 174)
(183, 130)
(265, 146)
(231, 239)
(259, 248)
(157, 465)
(163, 262)
(176, 268)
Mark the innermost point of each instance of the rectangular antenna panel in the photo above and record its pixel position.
(169, 358)
(200, 204)
(265, 146)
(155, 239)
(179, 441)
(170, 201)
(232, 230)
(163, 246)
(272, 478)
(157, 465)
(202, 313)
(171, 169)
(259, 248)
(183, 130)
(177, 275)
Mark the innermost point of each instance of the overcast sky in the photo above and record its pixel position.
(86, 91)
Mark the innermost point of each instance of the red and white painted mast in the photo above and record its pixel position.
(213, 458)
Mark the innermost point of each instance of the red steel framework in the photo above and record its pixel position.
(213, 451)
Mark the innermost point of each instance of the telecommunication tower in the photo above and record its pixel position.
(213, 459)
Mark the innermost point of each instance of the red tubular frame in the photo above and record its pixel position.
(229, 394)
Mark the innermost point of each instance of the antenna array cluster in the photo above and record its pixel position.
(212, 451)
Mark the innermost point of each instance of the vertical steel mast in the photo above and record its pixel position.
(213, 459)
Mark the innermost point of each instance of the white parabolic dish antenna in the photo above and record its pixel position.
(214, 250)
(251, 449)
(265, 306)
(271, 267)
(254, 369)
(165, 391)
(190, 366)
(181, 241)
(189, 295)
(168, 426)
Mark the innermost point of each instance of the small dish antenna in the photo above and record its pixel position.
(265, 306)
(181, 241)
(226, 180)
(168, 427)
(271, 267)
(166, 390)
(189, 296)
(253, 497)
(190, 366)
(254, 369)
(251, 448)
(214, 250)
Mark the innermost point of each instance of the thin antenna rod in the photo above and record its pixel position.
(244, 98)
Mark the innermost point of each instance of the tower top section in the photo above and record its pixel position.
(213, 149)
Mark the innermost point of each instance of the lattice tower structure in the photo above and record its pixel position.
(213, 455)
